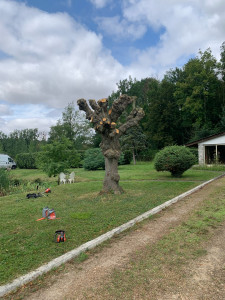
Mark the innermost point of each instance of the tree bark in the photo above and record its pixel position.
(112, 177)
(110, 147)
(134, 160)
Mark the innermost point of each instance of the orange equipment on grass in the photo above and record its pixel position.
(60, 236)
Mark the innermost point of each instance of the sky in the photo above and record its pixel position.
(54, 52)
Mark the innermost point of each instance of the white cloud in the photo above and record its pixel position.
(43, 124)
(189, 25)
(5, 110)
(28, 116)
(53, 60)
(121, 29)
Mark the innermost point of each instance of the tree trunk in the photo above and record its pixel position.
(112, 177)
(134, 160)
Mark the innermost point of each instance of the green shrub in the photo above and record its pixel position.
(54, 168)
(147, 155)
(175, 159)
(194, 151)
(94, 159)
(4, 181)
(81, 153)
(26, 161)
(57, 157)
(48, 165)
(73, 158)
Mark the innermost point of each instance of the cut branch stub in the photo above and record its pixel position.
(103, 103)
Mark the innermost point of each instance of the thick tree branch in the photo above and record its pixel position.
(84, 106)
(119, 106)
(94, 105)
(132, 120)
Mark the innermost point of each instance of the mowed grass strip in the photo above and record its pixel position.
(81, 211)
(140, 171)
(146, 171)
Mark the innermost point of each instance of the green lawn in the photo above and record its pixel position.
(83, 213)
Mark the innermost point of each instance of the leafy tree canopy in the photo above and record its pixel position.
(54, 157)
(73, 126)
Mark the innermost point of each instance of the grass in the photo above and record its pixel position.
(146, 171)
(212, 167)
(83, 213)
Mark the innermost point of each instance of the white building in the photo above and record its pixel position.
(211, 149)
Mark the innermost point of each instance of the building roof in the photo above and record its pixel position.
(194, 143)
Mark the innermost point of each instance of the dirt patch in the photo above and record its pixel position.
(204, 278)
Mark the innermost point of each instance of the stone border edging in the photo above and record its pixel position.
(4, 289)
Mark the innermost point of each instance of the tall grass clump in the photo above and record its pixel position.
(4, 181)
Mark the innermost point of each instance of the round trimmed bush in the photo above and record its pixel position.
(175, 159)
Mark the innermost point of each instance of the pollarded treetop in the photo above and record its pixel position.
(104, 119)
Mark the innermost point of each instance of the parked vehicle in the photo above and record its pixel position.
(7, 162)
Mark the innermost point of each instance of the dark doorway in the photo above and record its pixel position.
(221, 154)
(210, 154)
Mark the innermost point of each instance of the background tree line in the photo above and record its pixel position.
(187, 104)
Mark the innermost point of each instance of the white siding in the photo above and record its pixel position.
(211, 142)
(216, 141)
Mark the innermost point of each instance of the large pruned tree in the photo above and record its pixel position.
(104, 120)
